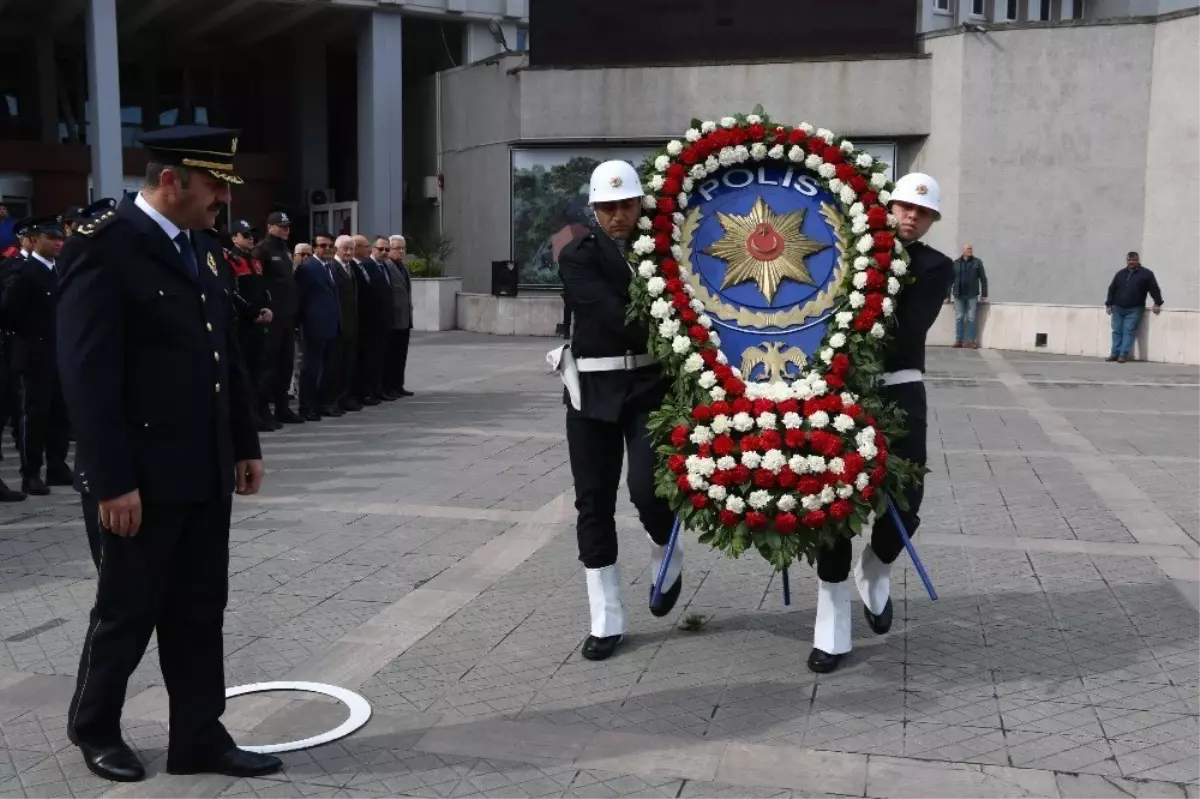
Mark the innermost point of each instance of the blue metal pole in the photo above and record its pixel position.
(656, 596)
(912, 551)
(787, 589)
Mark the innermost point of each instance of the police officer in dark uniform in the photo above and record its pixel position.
(276, 259)
(10, 400)
(619, 385)
(72, 217)
(27, 307)
(252, 302)
(915, 204)
(161, 406)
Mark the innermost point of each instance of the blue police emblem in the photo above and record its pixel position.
(761, 243)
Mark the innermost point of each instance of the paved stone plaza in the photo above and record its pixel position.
(422, 554)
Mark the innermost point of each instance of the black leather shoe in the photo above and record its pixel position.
(59, 476)
(288, 416)
(311, 416)
(264, 426)
(8, 495)
(404, 392)
(370, 401)
(667, 601)
(601, 648)
(823, 662)
(234, 763)
(883, 622)
(116, 762)
(351, 405)
(388, 396)
(35, 487)
(329, 410)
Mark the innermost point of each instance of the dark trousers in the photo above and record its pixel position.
(597, 449)
(372, 360)
(833, 563)
(173, 577)
(281, 361)
(345, 368)
(315, 375)
(42, 430)
(397, 360)
(253, 341)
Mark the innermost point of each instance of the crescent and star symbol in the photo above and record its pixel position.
(764, 247)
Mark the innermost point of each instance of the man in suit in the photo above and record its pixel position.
(402, 319)
(28, 308)
(346, 362)
(620, 385)
(371, 324)
(161, 407)
(382, 302)
(320, 320)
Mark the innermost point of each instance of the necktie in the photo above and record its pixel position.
(185, 252)
(386, 275)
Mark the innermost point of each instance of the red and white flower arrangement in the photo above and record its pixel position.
(779, 466)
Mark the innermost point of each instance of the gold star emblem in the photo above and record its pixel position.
(765, 247)
(615, 182)
(922, 189)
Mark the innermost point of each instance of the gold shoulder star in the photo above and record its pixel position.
(764, 247)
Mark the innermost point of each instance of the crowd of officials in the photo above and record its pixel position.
(336, 314)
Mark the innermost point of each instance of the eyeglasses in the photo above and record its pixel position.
(323, 246)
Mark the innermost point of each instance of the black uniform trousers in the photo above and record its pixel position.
(254, 341)
(317, 372)
(596, 449)
(372, 361)
(173, 578)
(833, 563)
(345, 369)
(397, 360)
(281, 362)
(43, 433)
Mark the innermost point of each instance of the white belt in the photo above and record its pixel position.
(902, 376)
(619, 363)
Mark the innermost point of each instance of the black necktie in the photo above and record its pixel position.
(185, 251)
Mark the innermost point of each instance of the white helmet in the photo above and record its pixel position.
(917, 188)
(614, 180)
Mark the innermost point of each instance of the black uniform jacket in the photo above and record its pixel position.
(154, 384)
(596, 279)
(918, 307)
(278, 270)
(27, 308)
(347, 288)
(250, 286)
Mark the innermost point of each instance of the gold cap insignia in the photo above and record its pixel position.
(233, 146)
(212, 264)
(922, 189)
(615, 181)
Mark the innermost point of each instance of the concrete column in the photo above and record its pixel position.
(312, 128)
(380, 126)
(47, 86)
(478, 42)
(104, 98)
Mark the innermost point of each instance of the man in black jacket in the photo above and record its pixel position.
(161, 408)
(374, 321)
(252, 303)
(276, 259)
(914, 202)
(619, 385)
(345, 363)
(1126, 303)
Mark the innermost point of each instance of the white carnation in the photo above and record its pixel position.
(717, 393)
(669, 328)
(864, 161)
(705, 321)
(705, 466)
(708, 127)
(837, 465)
(845, 492)
(656, 182)
(680, 345)
(859, 226)
(725, 463)
(899, 268)
(827, 495)
(826, 134)
(857, 300)
(792, 420)
(696, 482)
(807, 128)
(826, 170)
(644, 223)
(753, 119)
(774, 460)
(740, 154)
(796, 154)
(847, 195)
(676, 234)
(646, 269)
(721, 424)
(868, 451)
(843, 318)
(742, 422)
(827, 355)
(877, 330)
(810, 502)
(661, 163)
(819, 386)
(714, 339)
(862, 262)
(758, 151)
(860, 280)
(879, 180)
(735, 504)
(708, 380)
(813, 161)
(728, 122)
(837, 340)
(862, 481)
(692, 134)
(660, 309)
(677, 254)
(726, 157)
(835, 185)
(786, 503)
(775, 152)
(893, 285)
(798, 464)
(694, 363)
(713, 163)
(760, 499)
(701, 435)
(843, 423)
(865, 244)
(847, 146)
(674, 147)
(656, 286)
(889, 306)
(849, 398)
(644, 245)
(717, 493)
(818, 420)
(885, 197)
(751, 460)
(857, 210)
(678, 218)
(816, 464)
(698, 171)
(767, 421)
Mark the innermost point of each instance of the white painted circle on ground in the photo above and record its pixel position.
(360, 712)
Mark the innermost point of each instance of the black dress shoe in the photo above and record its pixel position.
(351, 405)
(823, 662)
(404, 392)
(666, 602)
(116, 762)
(388, 396)
(601, 648)
(288, 416)
(8, 495)
(312, 416)
(883, 622)
(370, 401)
(234, 763)
(330, 410)
(35, 487)
(265, 426)
(59, 476)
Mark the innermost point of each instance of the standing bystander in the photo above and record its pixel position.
(970, 287)
(1126, 302)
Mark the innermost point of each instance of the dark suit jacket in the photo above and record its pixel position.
(348, 298)
(28, 308)
(317, 296)
(373, 317)
(154, 383)
(596, 279)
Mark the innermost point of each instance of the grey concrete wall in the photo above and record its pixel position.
(940, 153)
(1171, 234)
(857, 98)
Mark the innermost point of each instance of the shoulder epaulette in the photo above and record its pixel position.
(94, 225)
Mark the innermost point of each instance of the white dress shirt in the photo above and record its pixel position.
(170, 228)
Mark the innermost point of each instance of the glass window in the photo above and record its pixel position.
(1044, 10)
(941, 5)
(133, 102)
(168, 97)
(977, 8)
(522, 40)
(1077, 9)
(1010, 10)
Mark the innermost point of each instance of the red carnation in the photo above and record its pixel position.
(688, 316)
(881, 454)
(741, 473)
(770, 439)
(789, 406)
(742, 405)
(763, 406)
(884, 259)
(679, 436)
(876, 217)
(662, 223)
(859, 184)
(756, 132)
(868, 492)
(845, 172)
(677, 463)
(864, 322)
(674, 285)
(868, 198)
(787, 478)
(676, 171)
(669, 263)
(814, 518)
(666, 205)
(721, 478)
(702, 413)
(877, 475)
(722, 371)
(738, 136)
(721, 407)
(698, 500)
(876, 281)
(794, 437)
(785, 523)
(834, 155)
(672, 186)
(764, 478)
(884, 241)
(841, 509)
(870, 420)
(723, 445)
(689, 155)
(683, 484)
(874, 302)
(680, 300)
(755, 520)
(705, 450)
(826, 444)
(840, 364)
(833, 381)
(750, 443)
(729, 518)
(853, 411)
(808, 485)
(733, 386)
(854, 465)
(662, 243)
(708, 355)
(797, 136)
(833, 403)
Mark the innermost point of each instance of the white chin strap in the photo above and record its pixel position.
(674, 568)
(832, 632)
(604, 597)
(874, 579)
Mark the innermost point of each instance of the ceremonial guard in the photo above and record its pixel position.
(161, 407)
(254, 315)
(914, 203)
(612, 386)
(28, 306)
(276, 259)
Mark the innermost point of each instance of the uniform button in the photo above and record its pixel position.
(147, 424)
(217, 357)
(209, 326)
(218, 388)
(202, 298)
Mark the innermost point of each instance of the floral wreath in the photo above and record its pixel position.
(786, 467)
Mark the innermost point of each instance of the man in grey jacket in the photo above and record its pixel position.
(969, 288)
(393, 378)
